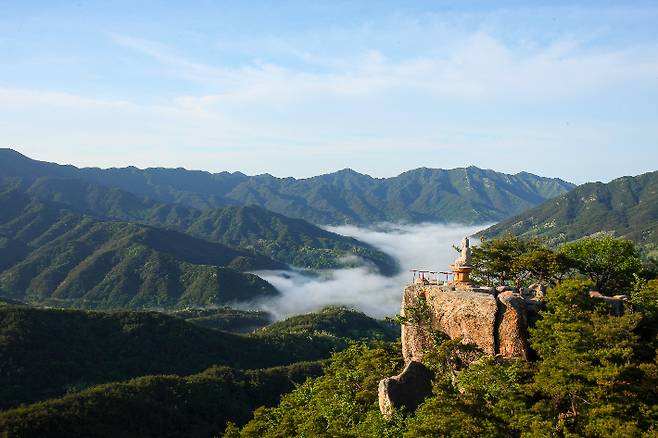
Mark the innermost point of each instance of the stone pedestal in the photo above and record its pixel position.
(462, 275)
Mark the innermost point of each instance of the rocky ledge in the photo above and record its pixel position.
(496, 320)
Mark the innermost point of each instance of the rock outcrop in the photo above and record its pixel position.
(494, 320)
(616, 302)
(408, 389)
(497, 324)
(512, 325)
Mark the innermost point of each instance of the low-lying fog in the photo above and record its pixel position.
(423, 246)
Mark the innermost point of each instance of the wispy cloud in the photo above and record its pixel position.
(477, 67)
(379, 92)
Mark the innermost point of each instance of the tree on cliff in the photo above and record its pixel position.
(610, 263)
(512, 259)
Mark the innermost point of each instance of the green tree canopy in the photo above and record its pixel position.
(510, 259)
(589, 380)
(610, 263)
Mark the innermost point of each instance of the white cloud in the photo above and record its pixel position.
(424, 246)
(477, 66)
(380, 96)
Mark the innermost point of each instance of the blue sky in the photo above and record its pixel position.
(299, 88)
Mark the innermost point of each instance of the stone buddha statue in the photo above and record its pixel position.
(464, 260)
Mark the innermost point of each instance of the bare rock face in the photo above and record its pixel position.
(512, 325)
(616, 302)
(458, 313)
(408, 389)
(496, 325)
(463, 313)
(496, 321)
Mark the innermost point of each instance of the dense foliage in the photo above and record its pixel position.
(510, 259)
(164, 406)
(225, 318)
(596, 375)
(45, 353)
(613, 265)
(340, 403)
(626, 207)
(467, 195)
(339, 322)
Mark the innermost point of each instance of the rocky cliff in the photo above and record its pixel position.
(495, 320)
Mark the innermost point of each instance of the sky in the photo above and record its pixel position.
(300, 88)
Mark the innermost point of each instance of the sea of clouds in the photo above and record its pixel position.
(422, 246)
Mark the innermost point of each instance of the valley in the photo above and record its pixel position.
(153, 294)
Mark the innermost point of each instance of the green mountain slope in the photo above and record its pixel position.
(46, 353)
(73, 260)
(335, 321)
(199, 405)
(626, 207)
(225, 318)
(465, 195)
(291, 241)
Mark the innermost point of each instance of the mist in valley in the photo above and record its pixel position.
(422, 246)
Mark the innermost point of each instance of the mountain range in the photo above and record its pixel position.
(464, 195)
(626, 207)
(291, 241)
(170, 238)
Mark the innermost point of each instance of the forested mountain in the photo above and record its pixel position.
(292, 241)
(338, 321)
(47, 353)
(626, 207)
(55, 256)
(465, 195)
(224, 318)
(198, 405)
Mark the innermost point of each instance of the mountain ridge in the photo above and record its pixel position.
(55, 256)
(626, 207)
(463, 195)
(288, 240)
